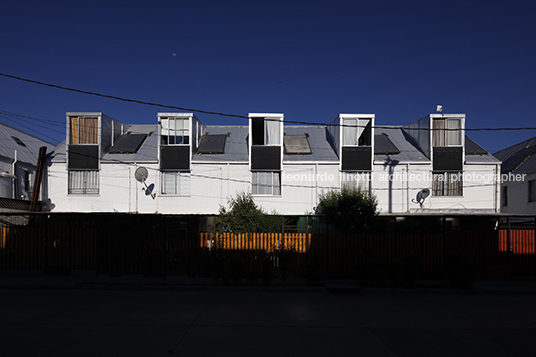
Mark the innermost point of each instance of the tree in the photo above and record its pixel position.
(244, 216)
(348, 210)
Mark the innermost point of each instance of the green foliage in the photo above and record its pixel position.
(244, 216)
(349, 210)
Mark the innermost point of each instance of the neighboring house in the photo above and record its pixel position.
(192, 168)
(19, 152)
(518, 189)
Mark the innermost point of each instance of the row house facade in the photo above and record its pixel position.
(178, 165)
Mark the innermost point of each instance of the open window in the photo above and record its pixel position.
(265, 131)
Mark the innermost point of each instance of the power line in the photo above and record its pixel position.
(235, 115)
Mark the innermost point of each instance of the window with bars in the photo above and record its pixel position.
(175, 183)
(447, 132)
(83, 182)
(175, 131)
(83, 130)
(447, 184)
(266, 183)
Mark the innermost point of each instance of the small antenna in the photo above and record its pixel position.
(141, 175)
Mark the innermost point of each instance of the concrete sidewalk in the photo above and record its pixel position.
(201, 320)
(22, 279)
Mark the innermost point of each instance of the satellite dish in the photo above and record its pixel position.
(424, 193)
(141, 174)
(421, 196)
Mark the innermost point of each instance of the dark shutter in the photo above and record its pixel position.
(175, 158)
(356, 158)
(447, 159)
(83, 157)
(266, 158)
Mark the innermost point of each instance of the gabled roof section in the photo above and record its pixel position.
(26, 145)
(472, 148)
(519, 158)
(476, 154)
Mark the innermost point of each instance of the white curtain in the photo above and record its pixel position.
(272, 132)
(453, 132)
(350, 132)
(266, 183)
(438, 132)
(169, 183)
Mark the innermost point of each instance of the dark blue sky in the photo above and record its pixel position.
(310, 60)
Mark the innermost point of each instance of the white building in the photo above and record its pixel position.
(518, 191)
(193, 169)
(19, 154)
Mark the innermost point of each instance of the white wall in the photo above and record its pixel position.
(212, 185)
(518, 196)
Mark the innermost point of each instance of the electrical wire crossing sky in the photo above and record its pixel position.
(310, 60)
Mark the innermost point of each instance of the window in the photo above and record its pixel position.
(266, 131)
(83, 130)
(175, 183)
(83, 182)
(27, 181)
(447, 184)
(505, 195)
(18, 141)
(532, 191)
(447, 132)
(356, 179)
(356, 132)
(266, 183)
(175, 131)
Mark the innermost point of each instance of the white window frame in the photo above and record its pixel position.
(83, 182)
(266, 183)
(356, 179)
(170, 130)
(447, 184)
(175, 183)
(446, 132)
(352, 129)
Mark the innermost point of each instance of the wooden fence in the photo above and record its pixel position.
(343, 254)
(164, 248)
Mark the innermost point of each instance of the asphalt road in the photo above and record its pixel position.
(264, 322)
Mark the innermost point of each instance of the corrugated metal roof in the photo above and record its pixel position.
(383, 145)
(26, 145)
(476, 154)
(212, 144)
(236, 146)
(147, 152)
(519, 158)
(408, 152)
